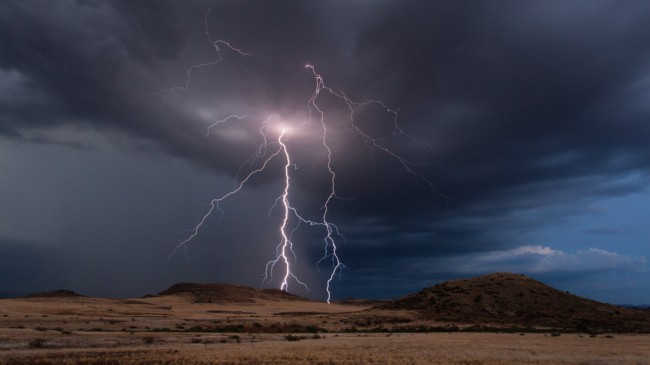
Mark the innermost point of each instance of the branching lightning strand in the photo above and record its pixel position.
(351, 105)
(216, 203)
(167, 92)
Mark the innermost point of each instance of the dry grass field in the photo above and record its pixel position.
(177, 330)
(438, 348)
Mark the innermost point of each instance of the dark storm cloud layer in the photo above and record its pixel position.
(526, 104)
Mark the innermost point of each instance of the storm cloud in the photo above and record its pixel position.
(536, 113)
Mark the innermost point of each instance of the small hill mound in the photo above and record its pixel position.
(61, 293)
(226, 293)
(504, 298)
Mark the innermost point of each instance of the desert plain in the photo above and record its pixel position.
(234, 325)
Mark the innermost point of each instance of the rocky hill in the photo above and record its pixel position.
(227, 293)
(511, 299)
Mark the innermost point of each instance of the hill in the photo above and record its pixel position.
(511, 299)
(227, 293)
(62, 293)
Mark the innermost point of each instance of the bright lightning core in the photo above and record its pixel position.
(284, 128)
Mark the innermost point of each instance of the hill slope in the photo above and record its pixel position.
(504, 298)
(226, 293)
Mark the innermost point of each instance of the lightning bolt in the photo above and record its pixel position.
(285, 248)
(314, 108)
(271, 149)
(286, 244)
(330, 243)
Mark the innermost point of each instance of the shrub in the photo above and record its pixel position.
(36, 343)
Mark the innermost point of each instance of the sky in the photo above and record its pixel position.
(519, 143)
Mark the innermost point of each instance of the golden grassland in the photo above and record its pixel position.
(174, 330)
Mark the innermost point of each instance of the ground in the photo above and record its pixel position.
(176, 330)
